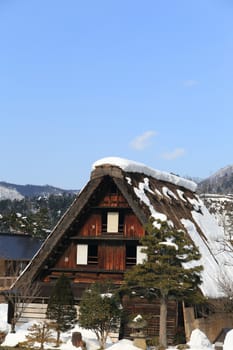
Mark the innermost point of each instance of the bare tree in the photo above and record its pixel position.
(225, 304)
(18, 298)
(226, 286)
(40, 333)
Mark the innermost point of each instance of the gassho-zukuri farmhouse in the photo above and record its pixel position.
(98, 238)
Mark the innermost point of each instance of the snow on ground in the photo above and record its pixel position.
(198, 340)
(228, 344)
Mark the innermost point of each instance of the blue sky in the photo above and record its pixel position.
(150, 81)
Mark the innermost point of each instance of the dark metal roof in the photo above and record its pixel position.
(18, 246)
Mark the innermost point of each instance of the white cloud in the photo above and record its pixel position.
(190, 83)
(176, 153)
(142, 141)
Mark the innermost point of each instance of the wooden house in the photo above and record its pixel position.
(98, 238)
(16, 250)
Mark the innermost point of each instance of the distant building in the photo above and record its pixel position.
(16, 250)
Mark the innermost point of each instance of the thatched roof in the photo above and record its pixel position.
(150, 193)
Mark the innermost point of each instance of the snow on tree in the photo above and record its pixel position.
(166, 272)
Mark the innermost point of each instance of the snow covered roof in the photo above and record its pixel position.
(185, 210)
(135, 167)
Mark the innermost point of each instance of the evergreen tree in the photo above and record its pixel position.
(100, 311)
(61, 308)
(168, 271)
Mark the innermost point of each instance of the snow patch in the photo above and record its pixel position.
(228, 342)
(181, 195)
(199, 340)
(169, 242)
(168, 193)
(140, 193)
(10, 193)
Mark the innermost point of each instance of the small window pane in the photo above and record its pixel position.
(82, 254)
(112, 222)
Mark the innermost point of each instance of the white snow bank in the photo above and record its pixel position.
(4, 327)
(199, 340)
(135, 167)
(123, 344)
(12, 339)
(228, 342)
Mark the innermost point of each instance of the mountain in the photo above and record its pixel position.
(31, 208)
(10, 193)
(18, 192)
(220, 182)
(35, 215)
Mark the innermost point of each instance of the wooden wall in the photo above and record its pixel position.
(150, 311)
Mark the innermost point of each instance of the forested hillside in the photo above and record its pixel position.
(36, 215)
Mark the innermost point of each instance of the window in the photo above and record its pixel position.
(112, 222)
(92, 254)
(82, 250)
(87, 254)
(130, 258)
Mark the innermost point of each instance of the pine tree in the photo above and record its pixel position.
(168, 271)
(61, 307)
(100, 311)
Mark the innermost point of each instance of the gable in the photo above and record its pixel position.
(100, 212)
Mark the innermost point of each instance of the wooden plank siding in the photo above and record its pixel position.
(68, 258)
(132, 227)
(92, 227)
(151, 312)
(113, 201)
(111, 257)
